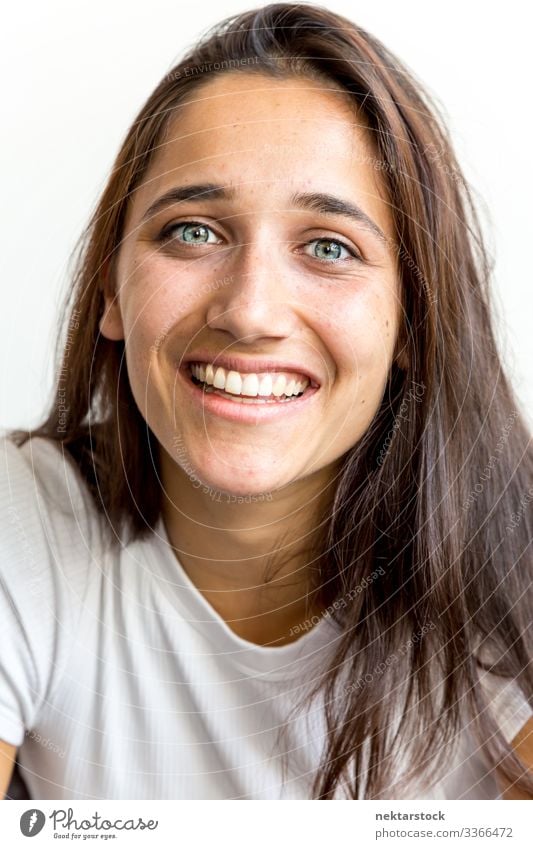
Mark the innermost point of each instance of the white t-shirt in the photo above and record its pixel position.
(118, 680)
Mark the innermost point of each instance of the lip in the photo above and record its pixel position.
(245, 413)
(251, 366)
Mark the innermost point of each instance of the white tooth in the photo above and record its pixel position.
(265, 386)
(219, 380)
(233, 383)
(279, 385)
(250, 385)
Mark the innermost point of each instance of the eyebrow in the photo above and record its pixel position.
(318, 201)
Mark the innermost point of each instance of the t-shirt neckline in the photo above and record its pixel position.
(273, 661)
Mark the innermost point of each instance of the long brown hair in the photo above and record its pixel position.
(433, 500)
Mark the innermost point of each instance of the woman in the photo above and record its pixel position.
(273, 539)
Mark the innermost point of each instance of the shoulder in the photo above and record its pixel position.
(523, 746)
(45, 569)
(511, 710)
(39, 468)
(48, 527)
(507, 703)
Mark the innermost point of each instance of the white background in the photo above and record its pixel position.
(74, 75)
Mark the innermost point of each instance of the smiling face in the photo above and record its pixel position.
(268, 280)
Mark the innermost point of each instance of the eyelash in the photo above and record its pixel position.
(164, 236)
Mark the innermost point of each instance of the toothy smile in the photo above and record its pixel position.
(263, 387)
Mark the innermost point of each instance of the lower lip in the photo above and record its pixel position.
(246, 413)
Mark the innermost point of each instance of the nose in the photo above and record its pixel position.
(257, 303)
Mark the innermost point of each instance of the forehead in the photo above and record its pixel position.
(269, 137)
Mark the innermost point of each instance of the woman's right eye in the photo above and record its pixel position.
(190, 233)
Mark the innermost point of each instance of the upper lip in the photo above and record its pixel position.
(248, 365)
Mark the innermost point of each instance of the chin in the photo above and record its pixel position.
(231, 485)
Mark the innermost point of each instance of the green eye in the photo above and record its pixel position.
(330, 249)
(191, 233)
(196, 233)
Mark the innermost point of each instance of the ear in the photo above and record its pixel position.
(111, 321)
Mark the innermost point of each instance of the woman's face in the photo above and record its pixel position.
(276, 277)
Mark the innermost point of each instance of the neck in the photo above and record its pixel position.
(256, 562)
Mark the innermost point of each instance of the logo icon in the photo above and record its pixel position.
(32, 822)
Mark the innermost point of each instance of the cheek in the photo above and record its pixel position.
(157, 299)
(148, 318)
(360, 335)
(359, 329)
(144, 337)
(151, 304)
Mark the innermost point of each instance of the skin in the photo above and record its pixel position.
(523, 744)
(279, 297)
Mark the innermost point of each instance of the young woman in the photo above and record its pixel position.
(274, 538)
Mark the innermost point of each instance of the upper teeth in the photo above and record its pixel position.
(276, 383)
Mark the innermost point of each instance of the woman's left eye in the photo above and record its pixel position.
(331, 250)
